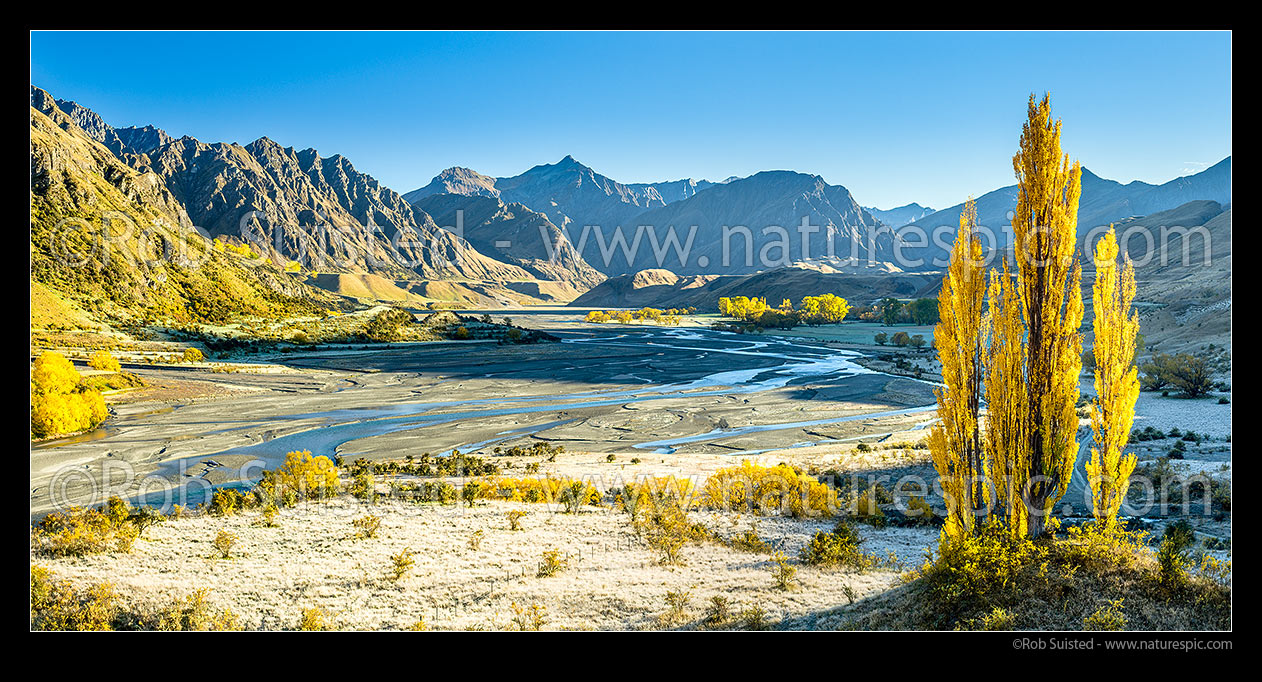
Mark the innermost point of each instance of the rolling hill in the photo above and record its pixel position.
(113, 241)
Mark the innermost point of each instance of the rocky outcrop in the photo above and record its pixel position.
(513, 234)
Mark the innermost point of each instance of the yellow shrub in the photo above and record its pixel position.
(546, 490)
(307, 476)
(760, 489)
(312, 620)
(79, 532)
(104, 361)
(1107, 618)
(59, 404)
(195, 613)
(57, 605)
(53, 373)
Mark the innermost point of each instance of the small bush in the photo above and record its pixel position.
(57, 605)
(401, 564)
(529, 618)
(677, 603)
(367, 526)
(470, 492)
(363, 487)
(312, 620)
(551, 564)
(268, 516)
(996, 619)
(223, 543)
(79, 532)
(1172, 554)
(719, 612)
(194, 613)
(1106, 618)
(839, 548)
(783, 572)
(514, 519)
(754, 618)
(749, 541)
(102, 360)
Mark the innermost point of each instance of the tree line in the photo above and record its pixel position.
(811, 311)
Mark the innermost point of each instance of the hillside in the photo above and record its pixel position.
(1103, 202)
(114, 241)
(771, 198)
(293, 206)
(1192, 296)
(663, 289)
(512, 234)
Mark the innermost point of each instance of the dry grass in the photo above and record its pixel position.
(612, 580)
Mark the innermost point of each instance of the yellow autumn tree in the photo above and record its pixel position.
(956, 443)
(104, 361)
(1036, 348)
(59, 404)
(1116, 380)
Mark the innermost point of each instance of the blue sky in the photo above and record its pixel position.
(895, 117)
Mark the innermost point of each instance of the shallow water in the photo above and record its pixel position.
(777, 363)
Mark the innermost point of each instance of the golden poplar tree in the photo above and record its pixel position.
(1044, 306)
(955, 443)
(1006, 399)
(1116, 380)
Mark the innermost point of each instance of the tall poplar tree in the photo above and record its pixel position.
(1044, 307)
(1116, 380)
(956, 443)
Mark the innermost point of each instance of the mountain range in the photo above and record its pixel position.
(110, 240)
(1103, 202)
(560, 228)
(604, 218)
(902, 215)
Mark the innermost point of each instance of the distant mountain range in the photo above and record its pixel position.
(897, 217)
(602, 216)
(561, 227)
(1103, 202)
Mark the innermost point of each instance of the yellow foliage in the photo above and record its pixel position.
(742, 307)
(53, 373)
(312, 620)
(760, 489)
(309, 477)
(1035, 355)
(956, 443)
(57, 605)
(59, 403)
(546, 490)
(78, 532)
(104, 361)
(825, 309)
(1116, 380)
